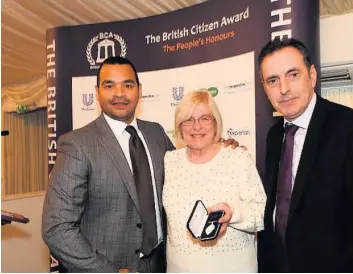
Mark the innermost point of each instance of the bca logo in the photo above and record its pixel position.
(97, 52)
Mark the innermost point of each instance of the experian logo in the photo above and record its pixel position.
(232, 132)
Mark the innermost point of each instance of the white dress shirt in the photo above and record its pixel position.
(123, 138)
(303, 123)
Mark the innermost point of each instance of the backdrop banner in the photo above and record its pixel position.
(213, 45)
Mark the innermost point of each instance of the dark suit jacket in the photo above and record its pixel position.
(91, 209)
(319, 236)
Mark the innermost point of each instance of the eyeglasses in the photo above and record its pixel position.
(203, 120)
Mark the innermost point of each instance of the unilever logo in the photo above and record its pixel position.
(178, 93)
(213, 91)
(87, 99)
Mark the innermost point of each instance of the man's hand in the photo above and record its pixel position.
(227, 216)
(231, 142)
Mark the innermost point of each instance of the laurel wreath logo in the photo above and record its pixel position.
(89, 49)
(122, 44)
(95, 39)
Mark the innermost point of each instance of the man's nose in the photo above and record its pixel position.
(284, 86)
(118, 90)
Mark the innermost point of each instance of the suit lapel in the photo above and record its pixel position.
(113, 148)
(309, 152)
(273, 158)
(154, 148)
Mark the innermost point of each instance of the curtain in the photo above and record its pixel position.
(340, 95)
(335, 7)
(25, 96)
(24, 152)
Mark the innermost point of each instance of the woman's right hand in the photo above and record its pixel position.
(227, 215)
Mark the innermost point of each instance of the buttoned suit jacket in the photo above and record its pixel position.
(319, 234)
(91, 208)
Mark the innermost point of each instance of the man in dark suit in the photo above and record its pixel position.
(94, 211)
(309, 169)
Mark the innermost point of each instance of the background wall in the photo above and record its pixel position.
(22, 247)
(336, 39)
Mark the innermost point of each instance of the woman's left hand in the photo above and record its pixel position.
(227, 215)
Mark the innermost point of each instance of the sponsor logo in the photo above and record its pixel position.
(235, 86)
(171, 134)
(151, 98)
(213, 91)
(238, 87)
(87, 100)
(102, 46)
(234, 132)
(178, 94)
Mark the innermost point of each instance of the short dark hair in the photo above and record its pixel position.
(117, 60)
(277, 44)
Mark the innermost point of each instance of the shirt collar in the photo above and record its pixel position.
(118, 127)
(303, 120)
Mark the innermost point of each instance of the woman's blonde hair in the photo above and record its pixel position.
(186, 107)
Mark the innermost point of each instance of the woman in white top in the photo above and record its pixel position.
(222, 178)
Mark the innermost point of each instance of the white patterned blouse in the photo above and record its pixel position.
(230, 177)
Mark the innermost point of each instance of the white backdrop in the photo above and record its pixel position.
(233, 90)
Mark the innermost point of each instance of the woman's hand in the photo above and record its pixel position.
(227, 215)
(232, 142)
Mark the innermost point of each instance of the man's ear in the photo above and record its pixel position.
(260, 76)
(313, 76)
(140, 91)
(97, 93)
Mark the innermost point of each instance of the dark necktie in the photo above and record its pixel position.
(144, 188)
(284, 184)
